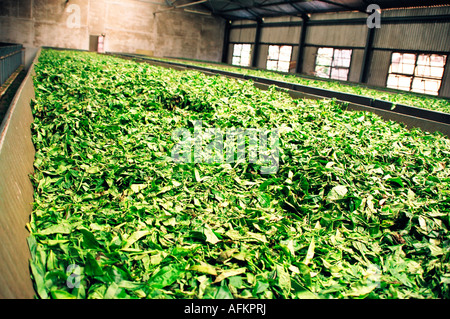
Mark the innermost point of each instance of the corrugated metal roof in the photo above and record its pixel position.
(257, 9)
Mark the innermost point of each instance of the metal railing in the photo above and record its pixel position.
(11, 58)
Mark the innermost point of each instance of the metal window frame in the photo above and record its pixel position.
(429, 77)
(332, 60)
(413, 75)
(240, 54)
(279, 48)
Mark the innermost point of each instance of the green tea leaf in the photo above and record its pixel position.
(229, 273)
(89, 239)
(166, 276)
(134, 237)
(136, 188)
(310, 253)
(337, 192)
(223, 293)
(64, 227)
(204, 268)
(210, 236)
(61, 294)
(92, 268)
(284, 280)
(260, 287)
(361, 290)
(355, 199)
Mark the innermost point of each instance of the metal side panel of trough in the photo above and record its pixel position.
(16, 192)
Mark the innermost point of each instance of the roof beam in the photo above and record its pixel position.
(257, 7)
(342, 5)
(278, 12)
(181, 6)
(237, 11)
(293, 5)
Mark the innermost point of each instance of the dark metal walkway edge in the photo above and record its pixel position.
(417, 112)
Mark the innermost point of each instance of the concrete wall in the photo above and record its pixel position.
(129, 26)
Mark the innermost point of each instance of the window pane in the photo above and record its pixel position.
(395, 62)
(392, 81)
(427, 86)
(396, 57)
(406, 68)
(408, 58)
(241, 54)
(272, 65)
(422, 70)
(438, 60)
(428, 71)
(407, 63)
(404, 82)
(400, 82)
(274, 52)
(339, 74)
(324, 60)
(322, 71)
(236, 60)
(324, 56)
(424, 59)
(334, 74)
(283, 66)
(436, 72)
(285, 53)
(402, 63)
(430, 65)
(245, 54)
(395, 67)
(342, 58)
(418, 85)
(246, 48)
(347, 54)
(325, 52)
(431, 59)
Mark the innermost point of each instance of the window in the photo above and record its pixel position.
(333, 63)
(241, 54)
(279, 58)
(421, 73)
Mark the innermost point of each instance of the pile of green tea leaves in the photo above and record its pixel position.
(359, 207)
(397, 97)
